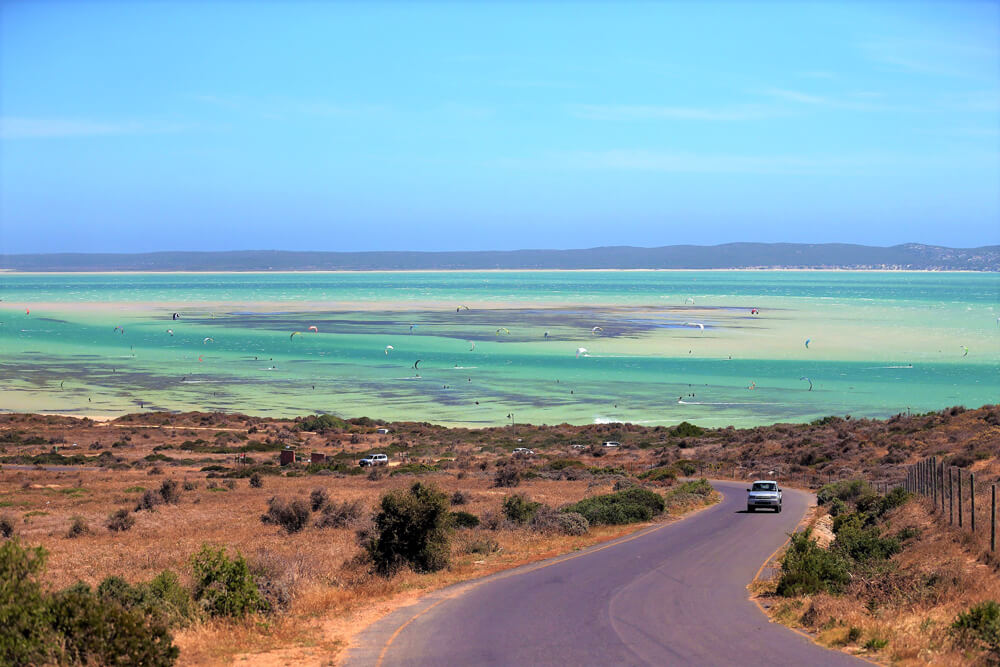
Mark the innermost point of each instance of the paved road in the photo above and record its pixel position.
(673, 595)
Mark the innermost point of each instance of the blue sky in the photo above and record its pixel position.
(417, 126)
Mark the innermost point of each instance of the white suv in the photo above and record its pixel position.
(522, 451)
(374, 460)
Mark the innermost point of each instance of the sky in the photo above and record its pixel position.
(134, 127)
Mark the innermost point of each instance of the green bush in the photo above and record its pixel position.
(562, 464)
(256, 482)
(464, 520)
(808, 569)
(320, 423)
(980, 625)
(410, 528)
(627, 506)
(97, 630)
(862, 542)
(163, 597)
(519, 508)
(411, 469)
(876, 644)
(686, 430)
(663, 474)
(293, 516)
(73, 625)
(696, 487)
(848, 491)
(224, 587)
(686, 467)
(26, 637)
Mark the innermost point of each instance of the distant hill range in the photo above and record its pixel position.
(912, 256)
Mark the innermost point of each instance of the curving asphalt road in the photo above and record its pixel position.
(671, 595)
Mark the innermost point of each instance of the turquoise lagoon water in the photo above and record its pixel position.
(496, 347)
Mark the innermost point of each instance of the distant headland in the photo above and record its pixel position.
(907, 256)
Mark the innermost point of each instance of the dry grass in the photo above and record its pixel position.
(324, 592)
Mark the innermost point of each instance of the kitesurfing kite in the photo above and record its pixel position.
(965, 349)
(461, 308)
(809, 381)
(176, 316)
(314, 329)
(204, 342)
(504, 330)
(808, 340)
(595, 330)
(690, 300)
(581, 351)
(417, 362)
(170, 331)
(695, 324)
(294, 334)
(472, 343)
(387, 348)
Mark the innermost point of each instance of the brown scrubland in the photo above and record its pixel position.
(63, 478)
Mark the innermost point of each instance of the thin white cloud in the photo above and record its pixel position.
(935, 58)
(623, 112)
(715, 163)
(18, 127)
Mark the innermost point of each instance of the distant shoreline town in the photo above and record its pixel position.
(748, 256)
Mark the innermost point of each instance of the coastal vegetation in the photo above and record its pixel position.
(327, 547)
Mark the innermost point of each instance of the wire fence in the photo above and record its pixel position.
(956, 498)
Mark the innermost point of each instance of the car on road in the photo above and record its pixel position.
(522, 452)
(374, 460)
(612, 444)
(764, 493)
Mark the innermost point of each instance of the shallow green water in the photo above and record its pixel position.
(879, 343)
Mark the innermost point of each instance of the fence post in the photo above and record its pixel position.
(959, 497)
(940, 474)
(993, 517)
(934, 492)
(972, 500)
(951, 498)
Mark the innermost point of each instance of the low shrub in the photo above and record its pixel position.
(686, 430)
(876, 644)
(190, 486)
(628, 506)
(847, 490)
(224, 586)
(480, 545)
(120, 521)
(411, 469)
(256, 481)
(6, 525)
(980, 625)
(459, 498)
(807, 568)
(169, 492)
(549, 520)
(148, 501)
(667, 475)
(77, 528)
(464, 520)
(318, 498)
(293, 515)
(340, 515)
(519, 508)
(410, 528)
(507, 476)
